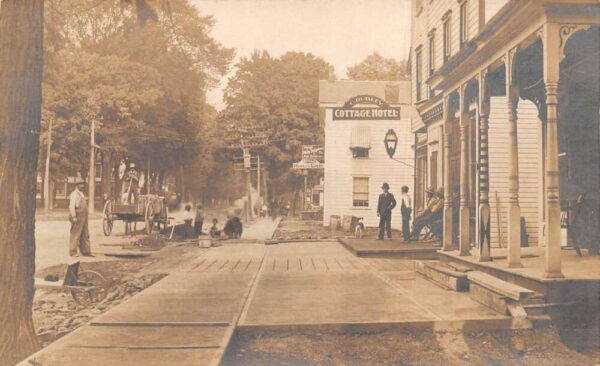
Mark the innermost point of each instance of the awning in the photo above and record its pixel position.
(360, 138)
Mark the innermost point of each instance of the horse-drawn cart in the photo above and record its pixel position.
(150, 209)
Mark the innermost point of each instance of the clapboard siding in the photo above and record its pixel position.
(429, 18)
(492, 7)
(528, 131)
(341, 167)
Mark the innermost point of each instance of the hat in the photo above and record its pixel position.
(78, 180)
(430, 190)
(385, 186)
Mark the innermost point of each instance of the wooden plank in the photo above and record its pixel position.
(498, 286)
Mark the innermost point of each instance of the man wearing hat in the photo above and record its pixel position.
(385, 205)
(78, 215)
(426, 216)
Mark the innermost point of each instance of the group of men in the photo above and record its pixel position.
(429, 216)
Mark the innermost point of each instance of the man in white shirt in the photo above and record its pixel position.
(78, 215)
(405, 210)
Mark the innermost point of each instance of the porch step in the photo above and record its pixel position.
(498, 286)
(443, 275)
(502, 296)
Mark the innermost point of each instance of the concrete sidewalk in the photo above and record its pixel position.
(189, 317)
(185, 319)
(262, 229)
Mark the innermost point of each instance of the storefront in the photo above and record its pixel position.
(357, 117)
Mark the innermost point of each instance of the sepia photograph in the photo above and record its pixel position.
(299, 182)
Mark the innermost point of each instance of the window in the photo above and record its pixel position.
(463, 23)
(431, 55)
(446, 38)
(360, 192)
(360, 153)
(433, 166)
(418, 73)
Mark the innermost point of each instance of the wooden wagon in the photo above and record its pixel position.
(150, 209)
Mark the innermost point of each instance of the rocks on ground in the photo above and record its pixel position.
(55, 312)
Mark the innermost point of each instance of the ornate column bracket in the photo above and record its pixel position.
(566, 31)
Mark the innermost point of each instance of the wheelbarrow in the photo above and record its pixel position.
(87, 288)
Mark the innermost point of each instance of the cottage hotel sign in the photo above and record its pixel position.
(381, 109)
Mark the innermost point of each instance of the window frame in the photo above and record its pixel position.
(418, 72)
(356, 153)
(447, 34)
(463, 31)
(431, 52)
(361, 203)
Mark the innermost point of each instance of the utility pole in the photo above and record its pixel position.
(305, 187)
(47, 171)
(258, 175)
(92, 171)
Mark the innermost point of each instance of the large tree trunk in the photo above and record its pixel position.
(21, 47)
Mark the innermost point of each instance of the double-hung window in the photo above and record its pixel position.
(360, 192)
(463, 23)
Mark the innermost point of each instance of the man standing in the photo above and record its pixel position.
(385, 205)
(78, 215)
(405, 210)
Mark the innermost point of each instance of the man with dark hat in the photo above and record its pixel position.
(78, 215)
(385, 205)
(426, 216)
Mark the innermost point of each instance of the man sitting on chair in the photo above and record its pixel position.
(432, 212)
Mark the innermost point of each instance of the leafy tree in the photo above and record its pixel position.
(376, 67)
(21, 69)
(279, 97)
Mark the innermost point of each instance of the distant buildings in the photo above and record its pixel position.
(357, 115)
(506, 94)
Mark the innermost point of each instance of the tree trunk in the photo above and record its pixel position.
(21, 63)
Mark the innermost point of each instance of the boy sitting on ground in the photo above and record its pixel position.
(214, 232)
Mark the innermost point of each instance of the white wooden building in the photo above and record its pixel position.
(356, 117)
(493, 124)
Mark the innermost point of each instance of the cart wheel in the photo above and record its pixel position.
(149, 216)
(94, 288)
(107, 220)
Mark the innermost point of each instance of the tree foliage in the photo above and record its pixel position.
(280, 97)
(145, 86)
(376, 67)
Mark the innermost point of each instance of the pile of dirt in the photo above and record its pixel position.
(407, 347)
(55, 312)
(152, 242)
(296, 229)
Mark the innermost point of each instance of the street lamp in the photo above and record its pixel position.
(391, 142)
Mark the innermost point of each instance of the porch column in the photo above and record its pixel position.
(514, 211)
(484, 203)
(464, 235)
(551, 77)
(447, 241)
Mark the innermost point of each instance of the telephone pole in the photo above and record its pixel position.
(92, 171)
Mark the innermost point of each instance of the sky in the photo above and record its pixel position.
(343, 32)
